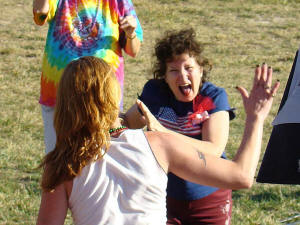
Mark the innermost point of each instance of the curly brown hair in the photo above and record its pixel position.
(87, 105)
(176, 43)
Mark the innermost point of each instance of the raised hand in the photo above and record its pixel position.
(128, 25)
(258, 103)
(150, 120)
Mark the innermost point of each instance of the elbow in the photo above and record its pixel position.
(39, 18)
(133, 53)
(245, 181)
(40, 12)
(133, 49)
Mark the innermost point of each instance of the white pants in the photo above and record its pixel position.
(49, 131)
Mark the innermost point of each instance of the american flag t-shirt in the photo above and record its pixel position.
(181, 124)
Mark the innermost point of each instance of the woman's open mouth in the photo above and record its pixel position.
(185, 89)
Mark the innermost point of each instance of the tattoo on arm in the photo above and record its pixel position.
(202, 156)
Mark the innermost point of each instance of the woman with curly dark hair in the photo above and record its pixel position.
(184, 103)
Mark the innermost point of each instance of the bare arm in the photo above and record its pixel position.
(40, 11)
(214, 134)
(202, 168)
(133, 44)
(192, 164)
(54, 207)
(212, 142)
(41, 6)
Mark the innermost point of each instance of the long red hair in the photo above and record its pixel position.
(87, 105)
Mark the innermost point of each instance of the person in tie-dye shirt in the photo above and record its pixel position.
(77, 28)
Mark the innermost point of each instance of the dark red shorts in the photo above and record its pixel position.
(212, 209)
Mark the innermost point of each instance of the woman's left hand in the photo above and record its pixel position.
(149, 119)
(258, 102)
(128, 24)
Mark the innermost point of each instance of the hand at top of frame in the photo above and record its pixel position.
(258, 103)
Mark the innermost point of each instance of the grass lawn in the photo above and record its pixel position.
(237, 35)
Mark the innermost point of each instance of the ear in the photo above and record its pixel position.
(201, 69)
(166, 80)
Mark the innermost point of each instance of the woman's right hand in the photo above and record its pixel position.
(151, 122)
(128, 24)
(258, 103)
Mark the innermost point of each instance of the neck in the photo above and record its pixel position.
(117, 128)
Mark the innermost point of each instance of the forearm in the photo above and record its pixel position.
(213, 143)
(224, 173)
(248, 154)
(206, 147)
(133, 45)
(41, 6)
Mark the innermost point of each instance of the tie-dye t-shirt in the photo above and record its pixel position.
(80, 28)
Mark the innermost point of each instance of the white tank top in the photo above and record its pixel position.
(127, 186)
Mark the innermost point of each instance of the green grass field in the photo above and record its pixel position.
(237, 34)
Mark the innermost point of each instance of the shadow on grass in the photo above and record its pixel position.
(273, 194)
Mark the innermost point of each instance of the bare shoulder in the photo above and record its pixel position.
(158, 142)
(159, 139)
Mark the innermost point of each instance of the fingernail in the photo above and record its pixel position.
(236, 87)
(257, 65)
(278, 80)
(269, 67)
(264, 63)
